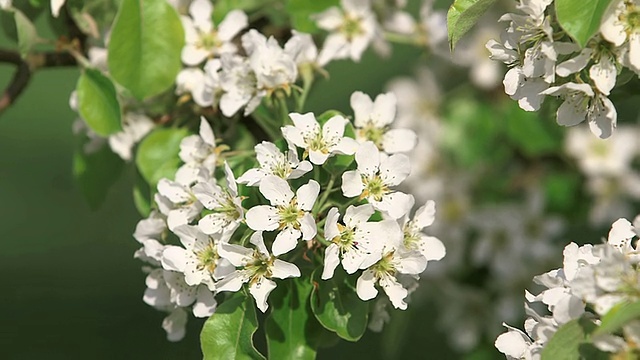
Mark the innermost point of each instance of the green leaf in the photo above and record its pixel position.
(98, 103)
(26, 31)
(157, 155)
(228, 333)
(95, 173)
(580, 19)
(302, 11)
(145, 46)
(142, 195)
(222, 7)
(561, 190)
(337, 307)
(290, 324)
(462, 16)
(568, 340)
(529, 133)
(619, 316)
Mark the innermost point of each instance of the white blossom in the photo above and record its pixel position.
(273, 162)
(134, 127)
(197, 258)
(620, 26)
(414, 239)
(225, 204)
(580, 103)
(374, 177)
(352, 28)
(177, 203)
(202, 40)
(289, 213)
(256, 267)
(395, 260)
(274, 68)
(358, 243)
(239, 84)
(197, 152)
(373, 121)
(319, 142)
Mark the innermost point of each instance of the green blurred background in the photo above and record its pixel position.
(70, 286)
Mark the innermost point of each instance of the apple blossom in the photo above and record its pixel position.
(256, 267)
(374, 177)
(319, 142)
(289, 213)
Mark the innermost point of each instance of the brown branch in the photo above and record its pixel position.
(25, 67)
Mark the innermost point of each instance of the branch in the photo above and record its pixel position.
(26, 67)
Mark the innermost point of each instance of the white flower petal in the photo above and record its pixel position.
(258, 240)
(346, 146)
(263, 217)
(384, 110)
(173, 191)
(513, 344)
(260, 291)
(604, 74)
(276, 190)
(352, 183)
(362, 106)
(308, 227)
(365, 286)
(302, 168)
(232, 282)
(425, 215)
(318, 157)
(174, 258)
(396, 204)
(357, 215)
(175, 324)
(231, 25)
(394, 169)
(252, 177)
(432, 248)
(331, 260)
(394, 291)
(307, 195)
(368, 158)
(283, 270)
(236, 254)
(574, 64)
(399, 140)
(205, 304)
(285, 241)
(603, 117)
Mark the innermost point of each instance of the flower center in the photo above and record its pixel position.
(289, 215)
(351, 27)
(384, 266)
(374, 188)
(317, 143)
(208, 41)
(373, 133)
(260, 267)
(630, 18)
(208, 258)
(281, 170)
(345, 240)
(411, 237)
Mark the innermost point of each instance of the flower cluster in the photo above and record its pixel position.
(593, 279)
(493, 249)
(226, 239)
(545, 62)
(611, 178)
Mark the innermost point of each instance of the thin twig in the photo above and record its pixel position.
(25, 67)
